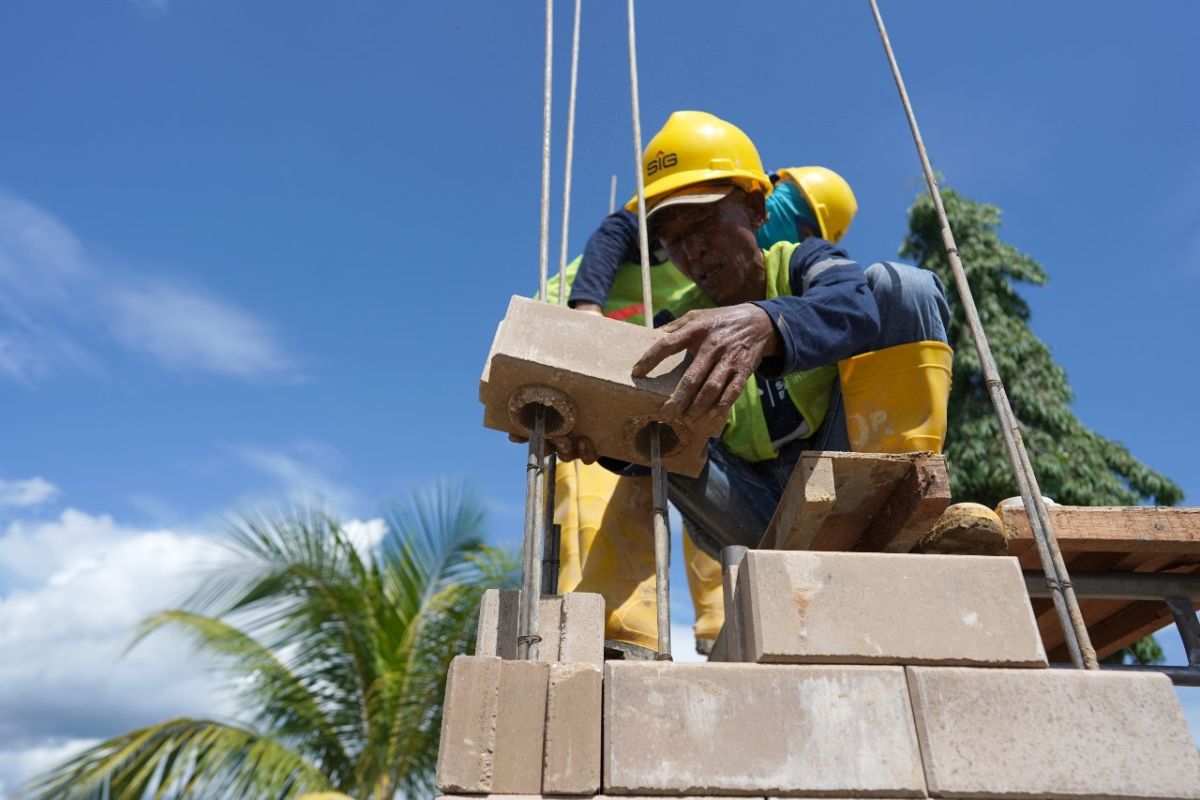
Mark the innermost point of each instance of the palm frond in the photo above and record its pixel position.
(283, 701)
(196, 759)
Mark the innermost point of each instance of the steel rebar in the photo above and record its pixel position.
(1066, 605)
(662, 545)
(531, 551)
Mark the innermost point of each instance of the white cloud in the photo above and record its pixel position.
(72, 591)
(76, 587)
(186, 328)
(54, 295)
(25, 493)
(302, 470)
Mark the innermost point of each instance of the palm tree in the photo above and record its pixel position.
(338, 650)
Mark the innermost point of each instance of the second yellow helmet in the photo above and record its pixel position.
(829, 196)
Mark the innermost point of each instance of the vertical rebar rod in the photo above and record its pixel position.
(570, 159)
(547, 95)
(1058, 580)
(552, 560)
(643, 241)
(531, 551)
(662, 527)
(662, 545)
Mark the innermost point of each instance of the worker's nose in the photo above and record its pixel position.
(693, 246)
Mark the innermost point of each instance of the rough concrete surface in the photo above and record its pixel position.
(586, 360)
(573, 716)
(750, 729)
(999, 733)
(493, 726)
(466, 753)
(571, 626)
(876, 608)
(520, 728)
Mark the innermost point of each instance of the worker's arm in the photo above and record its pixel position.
(830, 315)
(610, 246)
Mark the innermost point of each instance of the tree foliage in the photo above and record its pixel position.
(1074, 464)
(336, 649)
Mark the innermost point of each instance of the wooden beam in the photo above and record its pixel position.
(871, 501)
(1128, 529)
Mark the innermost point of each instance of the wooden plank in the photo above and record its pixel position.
(916, 502)
(833, 498)
(1128, 529)
(807, 500)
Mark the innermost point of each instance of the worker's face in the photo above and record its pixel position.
(714, 245)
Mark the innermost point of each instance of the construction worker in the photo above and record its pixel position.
(617, 560)
(789, 320)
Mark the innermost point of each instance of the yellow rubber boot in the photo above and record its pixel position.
(966, 529)
(896, 398)
(704, 582)
(606, 527)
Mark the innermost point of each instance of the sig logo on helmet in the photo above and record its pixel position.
(661, 160)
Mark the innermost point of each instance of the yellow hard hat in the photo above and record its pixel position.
(830, 197)
(695, 147)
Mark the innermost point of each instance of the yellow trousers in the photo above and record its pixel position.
(607, 547)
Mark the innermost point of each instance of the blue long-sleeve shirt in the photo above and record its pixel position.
(612, 244)
(830, 314)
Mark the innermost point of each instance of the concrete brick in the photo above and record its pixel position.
(573, 717)
(748, 729)
(582, 638)
(1002, 733)
(581, 364)
(465, 755)
(876, 608)
(520, 728)
(571, 626)
(493, 726)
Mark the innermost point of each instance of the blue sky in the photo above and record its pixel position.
(258, 250)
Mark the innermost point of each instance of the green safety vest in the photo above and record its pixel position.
(746, 434)
(669, 289)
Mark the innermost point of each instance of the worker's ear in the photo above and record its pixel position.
(756, 209)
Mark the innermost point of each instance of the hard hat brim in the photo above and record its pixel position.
(746, 179)
(693, 196)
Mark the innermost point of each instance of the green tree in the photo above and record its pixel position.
(337, 650)
(1074, 464)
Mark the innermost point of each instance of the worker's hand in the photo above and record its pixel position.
(590, 308)
(727, 344)
(567, 448)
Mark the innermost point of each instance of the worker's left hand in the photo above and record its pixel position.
(567, 448)
(726, 344)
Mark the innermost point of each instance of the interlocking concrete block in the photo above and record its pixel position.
(581, 640)
(520, 728)
(999, 733)
(493, 726)
(573, 716)
(749, 729)
(571, 626)
(580, 365)
(466, 753)
(876, 608)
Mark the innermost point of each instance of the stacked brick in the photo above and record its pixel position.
(844, 675)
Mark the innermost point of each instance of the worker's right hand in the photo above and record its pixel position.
(567, 448)
(727, 345)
